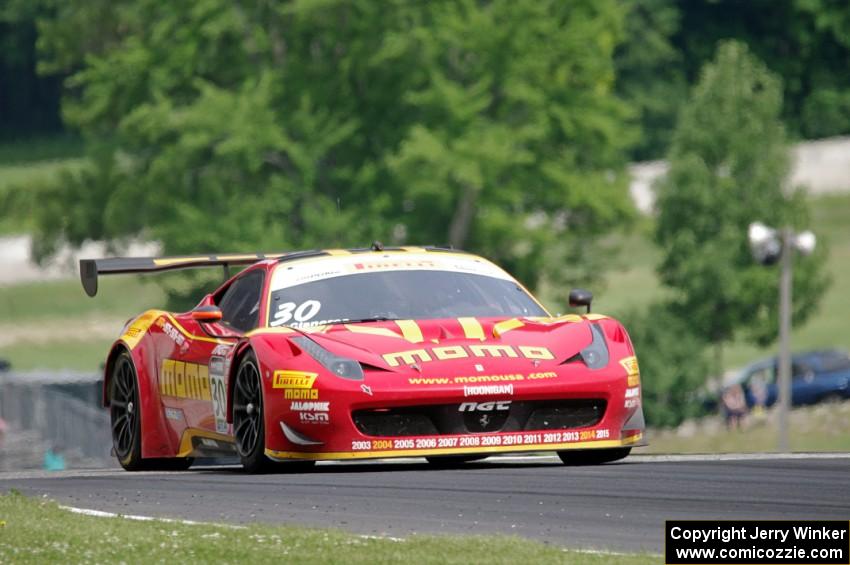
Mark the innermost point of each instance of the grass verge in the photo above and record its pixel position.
(38, 531)
(57, 355)
(49, 302)
(813, 428)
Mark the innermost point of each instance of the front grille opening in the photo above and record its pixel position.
(446, 419)
(566, 414)
(394, 422)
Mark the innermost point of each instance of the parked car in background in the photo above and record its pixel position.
(816, 376)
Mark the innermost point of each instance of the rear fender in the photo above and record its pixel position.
(156, 441)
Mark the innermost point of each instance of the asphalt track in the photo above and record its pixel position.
(618, 507)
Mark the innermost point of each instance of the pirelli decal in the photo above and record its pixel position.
(630, 364)
(426, 354)
(179, 379)
(296, 385)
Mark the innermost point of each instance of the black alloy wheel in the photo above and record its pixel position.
(124, 413)
(125, 416)
(248, 426)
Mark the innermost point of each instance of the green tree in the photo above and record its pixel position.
(517, 145)
(650, 72)
(672, 361)
(728, 167)
(221, 126)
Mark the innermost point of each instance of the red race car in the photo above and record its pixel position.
(365, 353)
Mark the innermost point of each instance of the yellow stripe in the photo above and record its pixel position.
(386, 332)
(502, 328)
(186, 449)
(595, 317)
(410, 330)
(192, 336)
(472, 328)
(336, 252)
(139, 327)
(628, 441)
(236, 257)
(178, 261)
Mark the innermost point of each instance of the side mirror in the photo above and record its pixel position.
(581, 297)
(207, 314)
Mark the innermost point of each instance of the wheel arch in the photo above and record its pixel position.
(155, 438)
(242, 349)
(118, 348)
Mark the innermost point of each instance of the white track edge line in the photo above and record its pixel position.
(139, 518)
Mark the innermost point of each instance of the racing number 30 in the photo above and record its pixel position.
(301, 313)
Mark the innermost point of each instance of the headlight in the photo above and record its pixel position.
(595, 355)
(342, 367)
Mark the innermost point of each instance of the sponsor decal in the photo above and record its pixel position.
(395, 265)
(424, 355)
(296, 385)
(489, 440)
(293, 379)
(470, 379)
(174, 414)
(222, 350)
(630, 364)
(479, 367)
(485, 406)
(301, 394)
(482, 390)
(310, 406)
(630, 403)
(179, 379)
(314, 418)
(172, 332)
(632, 392)
(367, 389)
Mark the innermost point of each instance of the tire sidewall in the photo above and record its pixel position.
(132, 461)
(255, 461)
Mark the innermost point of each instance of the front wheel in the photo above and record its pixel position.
(593, 456)
(248, 425)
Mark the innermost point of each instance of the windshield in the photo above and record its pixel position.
(404, 294)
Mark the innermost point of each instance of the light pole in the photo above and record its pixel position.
(768, 246)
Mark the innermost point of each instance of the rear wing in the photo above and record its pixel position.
(90, 269)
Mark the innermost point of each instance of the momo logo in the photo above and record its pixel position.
(485, 406)
(424, 355)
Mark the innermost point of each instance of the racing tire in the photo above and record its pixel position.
(451, 461)
(126, 422)
(575, 458)
(248, 422)
(124, 414)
